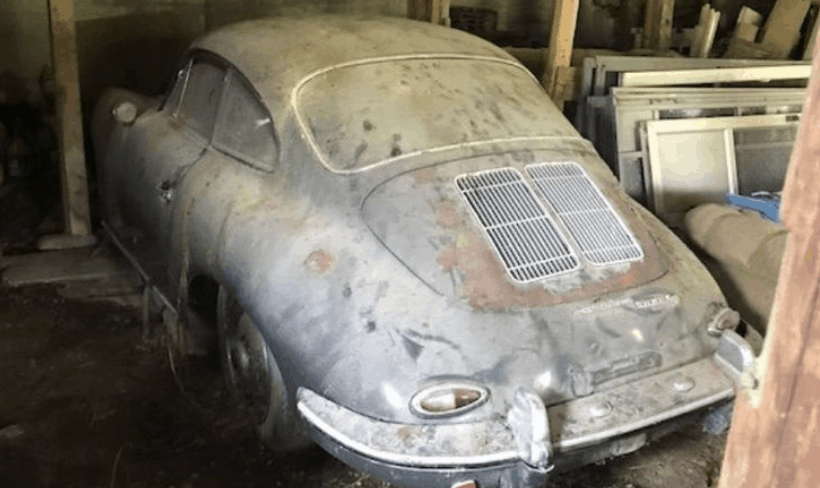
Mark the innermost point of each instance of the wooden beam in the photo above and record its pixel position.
(69, 121)
(562, 35)
(697, 32)
(775, 436)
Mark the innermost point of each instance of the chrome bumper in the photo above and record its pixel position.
(500, 452)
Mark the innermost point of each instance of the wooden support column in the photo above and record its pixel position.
(433, 11)
(76, 210)
(417, 9)
(657, 26)
(775, 436)
(562, 35)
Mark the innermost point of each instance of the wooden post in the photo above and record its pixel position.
(808, 52)
(416, 9)
(76, 211)
(562, 35)
(433, 11)
(775, 436)
(657, 26)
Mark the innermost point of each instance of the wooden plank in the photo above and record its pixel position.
(722, 75)
(782, 28)
(69, 118)
(562, 35)
(707, 31)
(749, 16)
(748, 23)
(698, 32)
(775, 436)
(742, 49)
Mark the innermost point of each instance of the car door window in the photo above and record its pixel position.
(245, 128)
(201, 97)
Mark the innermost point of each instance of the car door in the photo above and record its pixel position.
(168, 143)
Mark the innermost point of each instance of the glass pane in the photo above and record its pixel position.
(762, 157)
(245, 126)
(201, 97)
(372, 113)
(172, 102)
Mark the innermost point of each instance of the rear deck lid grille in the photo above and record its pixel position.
(601, 234)
(522, 232)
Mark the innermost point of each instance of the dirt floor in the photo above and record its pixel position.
(87, 402)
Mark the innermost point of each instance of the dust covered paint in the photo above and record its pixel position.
(355, 270)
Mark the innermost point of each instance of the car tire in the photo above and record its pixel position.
(253, 377)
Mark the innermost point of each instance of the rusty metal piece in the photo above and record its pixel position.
(319, 261)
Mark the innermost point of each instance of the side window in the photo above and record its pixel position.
(201, 97)
(245, 127)
(172, 102)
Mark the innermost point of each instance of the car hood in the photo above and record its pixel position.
(423, 220)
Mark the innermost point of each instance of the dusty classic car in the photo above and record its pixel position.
(409, 256)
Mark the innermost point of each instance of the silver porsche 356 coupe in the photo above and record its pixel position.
(409, 256)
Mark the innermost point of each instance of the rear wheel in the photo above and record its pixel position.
(251, 373)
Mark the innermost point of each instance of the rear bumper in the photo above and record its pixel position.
(500, 452)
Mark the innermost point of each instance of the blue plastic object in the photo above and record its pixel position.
(765, 203)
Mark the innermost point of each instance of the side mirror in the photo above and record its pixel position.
(125, 113)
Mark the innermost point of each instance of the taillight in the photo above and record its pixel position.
(446, 399)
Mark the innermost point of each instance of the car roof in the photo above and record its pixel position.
(275, 54)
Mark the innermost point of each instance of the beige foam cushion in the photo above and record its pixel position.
(739, 238)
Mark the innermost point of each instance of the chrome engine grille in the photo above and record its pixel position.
(600, 233)
(522, 232)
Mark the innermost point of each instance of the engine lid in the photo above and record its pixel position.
(425, 219)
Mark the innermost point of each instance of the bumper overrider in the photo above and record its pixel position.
(522, 449)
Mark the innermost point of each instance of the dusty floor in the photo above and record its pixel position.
(86, 402)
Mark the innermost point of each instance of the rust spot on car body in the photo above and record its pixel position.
(319, 261)
(447, 215)
(424, 175)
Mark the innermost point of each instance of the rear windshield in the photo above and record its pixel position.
(362, 115)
